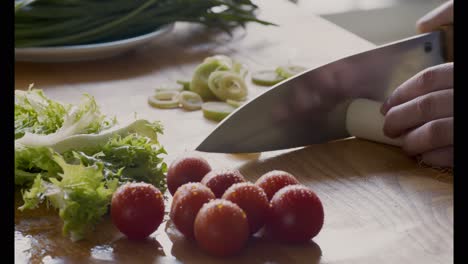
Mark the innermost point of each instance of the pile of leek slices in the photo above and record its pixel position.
(217, 87)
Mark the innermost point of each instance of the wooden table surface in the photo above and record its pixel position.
(380, 206)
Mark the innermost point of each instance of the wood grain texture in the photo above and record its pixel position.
(380, 206)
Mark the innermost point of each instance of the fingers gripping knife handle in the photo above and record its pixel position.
(447, 42)
(364, 120)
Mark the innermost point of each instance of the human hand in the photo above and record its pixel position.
(442, 15)
(421, 112)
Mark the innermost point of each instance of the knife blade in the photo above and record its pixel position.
(310, 108)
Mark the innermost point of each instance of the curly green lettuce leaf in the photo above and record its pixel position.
(131, 158)
(82, 196)
(84, 118)
(35, 195)
(132, 152)
(31, 161)
(73, 158)
(37, 114)
(141, 127)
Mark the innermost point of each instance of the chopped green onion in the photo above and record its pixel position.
(190, 100)
(216, 111)
(165, 99)
(266, 78)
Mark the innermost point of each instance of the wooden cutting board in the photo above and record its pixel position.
(380, 206)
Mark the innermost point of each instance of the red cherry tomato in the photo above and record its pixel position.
(253, 200)
(273, 181)
(186, 203)
(221, 228)
(137, 209)
(220, 180)
(296, 214)
(186, 169)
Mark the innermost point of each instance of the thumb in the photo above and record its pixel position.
(442, 15)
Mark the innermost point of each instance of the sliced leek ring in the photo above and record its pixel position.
(266, 78)
(199, 83)
(185, 85)
(216, 111)
(190, 100)
(170, 88)
(165, 99)
(227, 85)
(289, 70)
(234, 103)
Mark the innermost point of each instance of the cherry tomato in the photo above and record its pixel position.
(186, 169)
(137, 209)
(221, 228)
(186, 203)
(220, 180)
(296, 214)
(253, 200)
(274, 180)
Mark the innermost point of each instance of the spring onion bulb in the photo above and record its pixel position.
(216, 111)
(165, 99)
(190, 100)
(364, 120)
(227, 85)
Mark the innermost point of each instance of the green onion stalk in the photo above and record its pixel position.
(41, 23)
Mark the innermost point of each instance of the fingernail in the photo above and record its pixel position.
(384, 107)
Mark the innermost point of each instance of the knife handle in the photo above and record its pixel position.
(447, 42)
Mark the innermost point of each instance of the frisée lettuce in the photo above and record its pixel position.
(73, 157)
(81, 194)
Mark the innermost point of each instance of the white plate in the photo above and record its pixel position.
(90, 51)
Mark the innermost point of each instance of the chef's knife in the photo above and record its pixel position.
(311, 107)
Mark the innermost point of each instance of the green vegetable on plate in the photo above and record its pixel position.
(46, 23)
